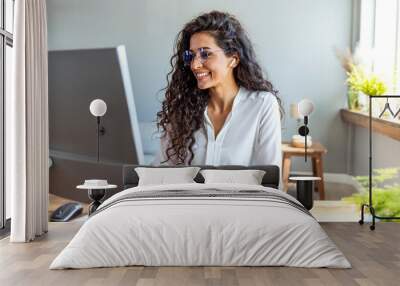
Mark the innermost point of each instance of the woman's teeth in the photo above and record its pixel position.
(202, 75)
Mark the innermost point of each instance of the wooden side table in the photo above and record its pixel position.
(316, 151)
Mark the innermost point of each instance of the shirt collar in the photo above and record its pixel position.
(236, 100)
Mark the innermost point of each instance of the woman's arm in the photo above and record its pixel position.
(268, 148)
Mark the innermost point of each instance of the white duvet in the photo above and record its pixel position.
(185, 231)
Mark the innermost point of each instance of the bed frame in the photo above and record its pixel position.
(271, 178)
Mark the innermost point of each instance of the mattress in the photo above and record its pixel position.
(201, 225)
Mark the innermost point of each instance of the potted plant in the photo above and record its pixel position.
(359, 82)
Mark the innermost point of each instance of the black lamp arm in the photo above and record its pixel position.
(303, 131)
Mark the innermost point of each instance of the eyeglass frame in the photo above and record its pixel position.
(199, 52)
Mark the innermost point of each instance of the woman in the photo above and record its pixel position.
(218, 107)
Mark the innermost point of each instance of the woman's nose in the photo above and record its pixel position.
(196, 62)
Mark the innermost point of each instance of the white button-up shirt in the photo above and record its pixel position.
(251, 134)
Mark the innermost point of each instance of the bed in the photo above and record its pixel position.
(201, 224)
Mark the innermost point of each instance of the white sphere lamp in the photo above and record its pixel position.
(305, 107)
(98, 107)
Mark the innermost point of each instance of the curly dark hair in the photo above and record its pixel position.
(184, 104)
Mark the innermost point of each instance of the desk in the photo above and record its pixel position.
(315, 152)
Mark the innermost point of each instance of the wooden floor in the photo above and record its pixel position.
(374, 255)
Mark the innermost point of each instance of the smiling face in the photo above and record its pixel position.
(217, 69)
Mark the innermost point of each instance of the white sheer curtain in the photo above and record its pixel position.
(27, 147)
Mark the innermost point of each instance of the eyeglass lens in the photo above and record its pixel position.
(189, 56)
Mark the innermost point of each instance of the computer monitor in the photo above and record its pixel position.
(76, 77)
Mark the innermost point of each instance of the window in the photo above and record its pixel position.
(6, 44)
(380, 31)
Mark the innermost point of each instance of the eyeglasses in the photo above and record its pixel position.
(189, 56)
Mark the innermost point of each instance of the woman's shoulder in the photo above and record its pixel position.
(263, 97)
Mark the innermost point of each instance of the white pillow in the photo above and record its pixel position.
(162, 176)
(248, 177)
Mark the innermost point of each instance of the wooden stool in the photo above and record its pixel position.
(315, 152)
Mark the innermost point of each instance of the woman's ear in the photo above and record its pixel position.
(234, 62)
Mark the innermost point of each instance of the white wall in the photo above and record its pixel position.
(294, 41)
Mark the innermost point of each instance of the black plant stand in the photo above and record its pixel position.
(96, 194)
(370, 204)
(304, 188)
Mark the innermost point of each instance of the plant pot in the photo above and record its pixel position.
(353, 99)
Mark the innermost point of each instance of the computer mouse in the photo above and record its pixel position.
(66, 212)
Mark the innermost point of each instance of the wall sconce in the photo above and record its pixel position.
(305, 108)
(98, 108)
